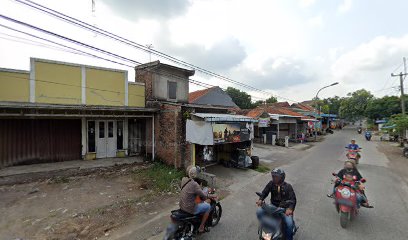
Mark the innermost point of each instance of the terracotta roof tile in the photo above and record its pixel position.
(193, 96)
(255, 113)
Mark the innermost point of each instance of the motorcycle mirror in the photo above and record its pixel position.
(334, 174)
(259, 194)
(363, 180)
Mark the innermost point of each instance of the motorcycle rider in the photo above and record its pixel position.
(281, 191)
(190, 189)
(353, 146)
(350, 172)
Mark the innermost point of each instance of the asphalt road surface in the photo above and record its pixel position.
(315, 213)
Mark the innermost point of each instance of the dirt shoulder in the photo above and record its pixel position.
(79, 207)
(397, 162)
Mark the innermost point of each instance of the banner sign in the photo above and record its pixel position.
(263, 122)
(231, 132)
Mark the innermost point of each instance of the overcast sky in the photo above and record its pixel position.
(288, 47)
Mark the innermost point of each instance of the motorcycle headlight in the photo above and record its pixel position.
(266, 236)
(345, 193)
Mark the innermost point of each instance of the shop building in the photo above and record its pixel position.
(62, 111)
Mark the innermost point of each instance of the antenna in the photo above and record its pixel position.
(94, 15)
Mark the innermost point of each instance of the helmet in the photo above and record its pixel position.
(277, 172)
(352, 161)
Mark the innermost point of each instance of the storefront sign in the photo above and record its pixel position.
(231, 132)
(263, 122)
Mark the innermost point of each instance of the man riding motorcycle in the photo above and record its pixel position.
(354, 147)
(190, 189)
(348, 171)
(281, 191)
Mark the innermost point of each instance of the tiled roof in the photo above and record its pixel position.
(193, 96)
(283, 111)
(280, 104)
(255, 113)
(304, 107)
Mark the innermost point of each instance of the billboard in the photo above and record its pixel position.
(231, 132)
(263, 122)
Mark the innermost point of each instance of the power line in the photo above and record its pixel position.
(108, 34)
(83, 45)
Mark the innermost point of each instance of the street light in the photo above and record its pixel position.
(316, 98)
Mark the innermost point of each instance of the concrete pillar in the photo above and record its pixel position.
(286, 141)
(273, 139)
(126, 135)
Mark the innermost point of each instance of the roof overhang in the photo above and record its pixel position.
(216, 117)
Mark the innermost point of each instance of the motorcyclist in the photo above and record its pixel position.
(190, 189)
(281, 191)
(351, 173)
(353, 146)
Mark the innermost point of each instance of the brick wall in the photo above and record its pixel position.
(146, 77)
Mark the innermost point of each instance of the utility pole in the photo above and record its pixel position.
(401, 76)
(150, 46)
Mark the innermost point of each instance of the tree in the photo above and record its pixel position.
(354, 106)
(241, 98)
(333, 104)
(272, 99)
(384, 107)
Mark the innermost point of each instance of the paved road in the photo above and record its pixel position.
(315, 214)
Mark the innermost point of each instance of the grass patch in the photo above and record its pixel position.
(160, 176)
(262, 169)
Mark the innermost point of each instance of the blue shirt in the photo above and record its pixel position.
(353, 146)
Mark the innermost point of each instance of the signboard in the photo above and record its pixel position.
(263, 122)
(231, 132)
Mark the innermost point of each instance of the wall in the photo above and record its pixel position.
(160, 87)
(136, 95)
(57, 83)
(171, 146)
(105, 87)
(14, 85)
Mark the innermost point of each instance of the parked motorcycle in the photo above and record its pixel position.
(271, 227)
(353, 155)
(188, 224)
(359, 130)
(345, 200)
(368, 136)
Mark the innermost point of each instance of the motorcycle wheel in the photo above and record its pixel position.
(343, 219)
(216, 214)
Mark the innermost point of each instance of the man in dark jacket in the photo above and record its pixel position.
(282, 195)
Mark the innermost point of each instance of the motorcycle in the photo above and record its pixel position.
(345, 200)
(271, 226)
(353, 155)
(187, 224)
(359, 130)
(368, 136)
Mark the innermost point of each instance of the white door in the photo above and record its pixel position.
(106, 139)
(111, 139)
(101, 139)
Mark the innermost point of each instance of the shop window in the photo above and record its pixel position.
(101, 129)
(110, 129)
(119, 133)
(91, 136)
(172, 90)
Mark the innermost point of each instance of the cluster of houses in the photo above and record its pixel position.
(59, 111)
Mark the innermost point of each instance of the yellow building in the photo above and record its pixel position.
(64, 111)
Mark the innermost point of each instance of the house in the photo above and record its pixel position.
(59, 111)
(185, 122)
(279, 121)
(214, 96)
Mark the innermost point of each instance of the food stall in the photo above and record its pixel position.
(220, 138)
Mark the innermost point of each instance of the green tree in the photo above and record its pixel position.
(241, 98)
(400, 121)
(354, 106)
(272, 99)
(334, 104)
(384, 107)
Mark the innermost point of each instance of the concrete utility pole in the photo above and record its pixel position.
(401, 75)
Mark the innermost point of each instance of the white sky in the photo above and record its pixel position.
(288, 47)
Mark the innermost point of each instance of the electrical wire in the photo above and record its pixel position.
(108, 34)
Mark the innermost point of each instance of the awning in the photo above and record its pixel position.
(216, 117)
(389, 127)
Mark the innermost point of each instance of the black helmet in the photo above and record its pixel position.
(278, 173)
